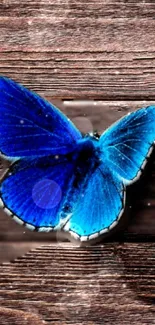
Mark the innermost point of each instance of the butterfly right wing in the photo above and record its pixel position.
(31, 126)
(34, 192)
(128, 143)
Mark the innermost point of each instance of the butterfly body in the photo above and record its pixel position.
(60, 180)
(85, 159)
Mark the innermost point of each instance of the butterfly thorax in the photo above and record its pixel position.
(87, 150)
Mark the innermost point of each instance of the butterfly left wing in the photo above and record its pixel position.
(34, 191)
(31, 126)
(128, 143)
(98, 205)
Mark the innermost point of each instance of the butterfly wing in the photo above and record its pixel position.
(34, 190)
(128, 143)
(30, 126)
(99, 205)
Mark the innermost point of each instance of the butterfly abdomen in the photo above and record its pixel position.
(86, 159)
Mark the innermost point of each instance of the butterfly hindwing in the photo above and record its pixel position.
(34, 191)
(31, 126)
(99, 205)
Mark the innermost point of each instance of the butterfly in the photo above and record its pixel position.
(60, 179)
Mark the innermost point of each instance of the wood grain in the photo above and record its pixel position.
(11, 250)
(107, 284)
(71, 49)
(106, 9)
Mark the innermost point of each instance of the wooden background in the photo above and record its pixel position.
(96, 61)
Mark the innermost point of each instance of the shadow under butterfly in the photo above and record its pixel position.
(61, 180)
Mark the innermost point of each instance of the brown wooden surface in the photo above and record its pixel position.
(105, 284)
(69, 49)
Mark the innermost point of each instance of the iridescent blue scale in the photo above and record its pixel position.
(60, 180)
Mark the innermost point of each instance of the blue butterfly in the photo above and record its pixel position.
(60, 180)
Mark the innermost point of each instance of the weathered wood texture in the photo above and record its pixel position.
(11, 250)
(108, 284)
(76, 49)
(88, 50)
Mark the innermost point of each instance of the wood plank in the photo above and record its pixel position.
(11, 250)
(111, 283)
(83, 75)
(11, 316)
(59, 8)
(67, 49)
(88, 116)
